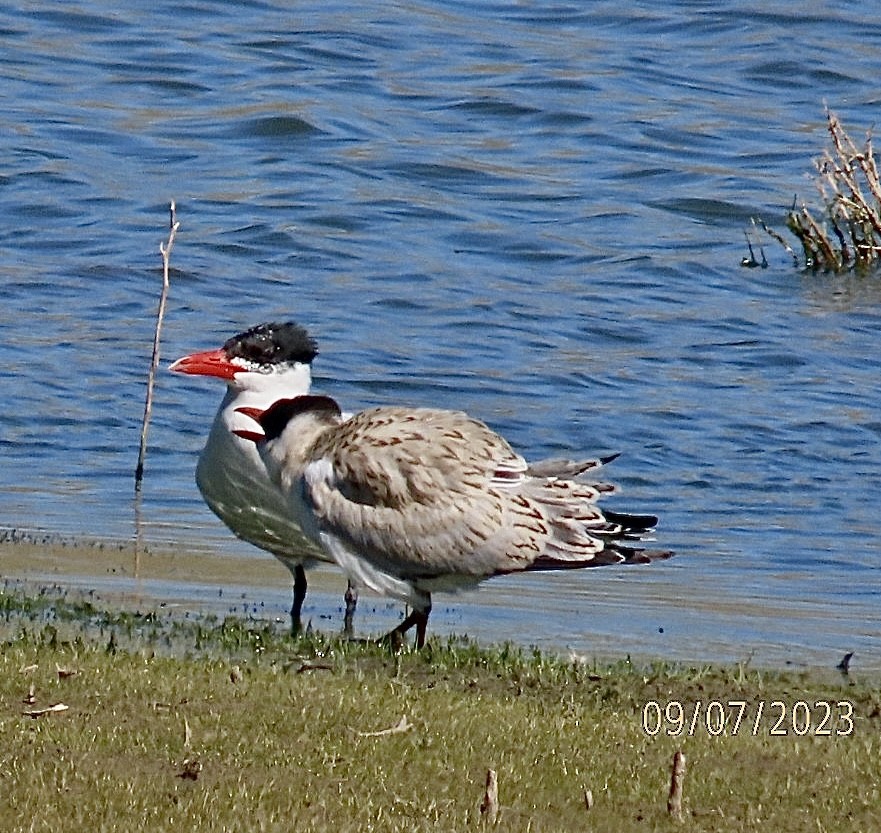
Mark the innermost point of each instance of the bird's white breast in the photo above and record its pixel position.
(236, 486)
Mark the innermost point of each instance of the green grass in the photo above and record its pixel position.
(282, 735)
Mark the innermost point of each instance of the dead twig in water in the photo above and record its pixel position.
(778, 237)
(165, 251)
(846, 234)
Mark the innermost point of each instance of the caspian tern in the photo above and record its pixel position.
(410, 501)
(261, 365)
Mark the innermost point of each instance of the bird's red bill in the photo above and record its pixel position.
(244, 433)
(254, 436)
(254, 413)
(209, 363)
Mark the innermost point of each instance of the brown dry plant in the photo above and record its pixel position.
(847, 234)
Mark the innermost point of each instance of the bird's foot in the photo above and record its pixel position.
(393, 640)
(298, 629)
(395, 637)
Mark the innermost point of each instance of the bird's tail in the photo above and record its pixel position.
(568, 469)
(610, 555)
(583, 534)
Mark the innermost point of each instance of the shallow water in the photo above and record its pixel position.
(535, 213)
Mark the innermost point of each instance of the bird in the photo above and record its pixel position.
(409, 501)
(267, 362)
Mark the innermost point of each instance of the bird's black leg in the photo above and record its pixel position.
(351, 603)
(299, 597)
(419, 618)
(421, 626)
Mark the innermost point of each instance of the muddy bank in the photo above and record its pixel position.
(680, 619)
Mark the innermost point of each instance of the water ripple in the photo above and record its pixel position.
(535, 213)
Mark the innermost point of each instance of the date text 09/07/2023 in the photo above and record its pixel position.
(729, 718)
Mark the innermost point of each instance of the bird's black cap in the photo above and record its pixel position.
(273, 343)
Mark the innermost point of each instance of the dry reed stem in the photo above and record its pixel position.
(403, 725)
(677, 777)
(56, 707)
(489, 807)
(850, 189)
(588, 799)
(825, 248)
(165, 251)
(779, 238)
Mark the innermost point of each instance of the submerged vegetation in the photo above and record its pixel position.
(846, 234)
(113, 720)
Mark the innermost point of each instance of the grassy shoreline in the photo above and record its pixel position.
(641, 613)
(209, 724)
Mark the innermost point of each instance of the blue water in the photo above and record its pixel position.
(534, 212)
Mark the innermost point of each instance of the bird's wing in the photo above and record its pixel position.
(418, 492)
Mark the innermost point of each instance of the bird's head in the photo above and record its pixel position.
(270, 356)
(272, 421)
(284, 432)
